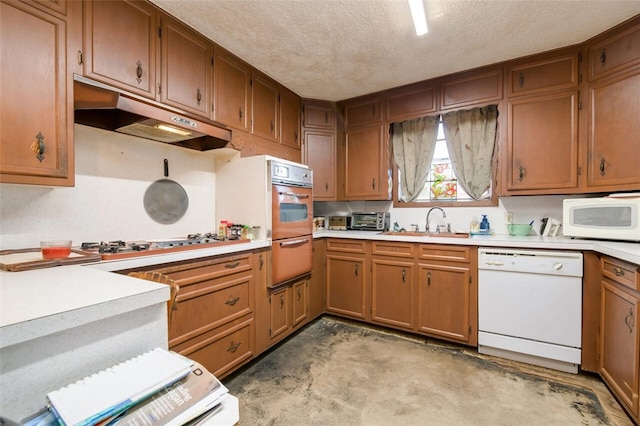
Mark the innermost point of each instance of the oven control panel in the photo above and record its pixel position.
(290, 174)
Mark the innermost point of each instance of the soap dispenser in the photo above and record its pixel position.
(484, 224)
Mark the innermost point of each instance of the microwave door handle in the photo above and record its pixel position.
(293, 194)
(294, 243)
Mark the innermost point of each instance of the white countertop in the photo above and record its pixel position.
(629, 252)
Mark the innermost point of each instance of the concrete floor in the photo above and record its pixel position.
(336, 372)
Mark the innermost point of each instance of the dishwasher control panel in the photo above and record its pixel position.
(531, 261)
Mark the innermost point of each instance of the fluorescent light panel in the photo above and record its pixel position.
(419, 17)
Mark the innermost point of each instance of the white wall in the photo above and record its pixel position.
(113, 172)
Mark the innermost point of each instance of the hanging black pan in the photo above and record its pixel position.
(165, 201)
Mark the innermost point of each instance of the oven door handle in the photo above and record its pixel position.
(293, 194)
(294, 243)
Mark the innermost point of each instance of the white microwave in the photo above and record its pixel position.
(607, 218)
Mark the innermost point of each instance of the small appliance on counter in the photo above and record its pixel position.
(550, 227)
(616, 217)
(373, 221)
(339, 223)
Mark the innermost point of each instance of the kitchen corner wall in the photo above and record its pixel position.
(524, 209)
(113, 172)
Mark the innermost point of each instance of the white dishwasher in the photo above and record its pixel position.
(530, 306)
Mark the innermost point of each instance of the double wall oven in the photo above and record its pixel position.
(292, 221)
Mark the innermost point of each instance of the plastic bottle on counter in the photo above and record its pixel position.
(229, 225)
(474, 225)
(484, 225)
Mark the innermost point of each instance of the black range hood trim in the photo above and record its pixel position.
(105, 107)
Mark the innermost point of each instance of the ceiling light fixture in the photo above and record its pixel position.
(419, 17)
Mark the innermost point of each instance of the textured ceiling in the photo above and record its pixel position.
(339, 49)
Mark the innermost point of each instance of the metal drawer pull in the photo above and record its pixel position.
(357, 269)
(373, 183)
(521, 79)
(293, 194)
(628, 320)
(261, 262)
(299, 294)
(198, 96)
(428, 278)
(404, 275)
(232, 348)
(294, 243)
(603, 164)
(603, 57)
(281, 301)
(232, 265)
(521, 174)
(619, 272)
(139, 72)
(232, 300)
(37, 147)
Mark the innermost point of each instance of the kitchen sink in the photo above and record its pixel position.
(426, 234)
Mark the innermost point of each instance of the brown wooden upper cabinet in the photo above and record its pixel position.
(411, 102)
(476, 87)
(264, 98)
(231, 91)
(289, 118)
(187, 62)
(613, 145)
(363, 112)
(120, 42)
(36, 105)
(542, 130)
(318, 117)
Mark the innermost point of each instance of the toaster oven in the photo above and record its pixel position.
(374, 221)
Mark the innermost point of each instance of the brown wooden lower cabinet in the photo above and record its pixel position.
(347, 282)
(620, 334)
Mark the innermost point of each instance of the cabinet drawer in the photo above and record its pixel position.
(221, 350)
(550, 73)
(347, 246)
(222, 301)
(621, 272)
(394, 249)
(194, 272)
(615, 53)
(444, 253)
(317, 116)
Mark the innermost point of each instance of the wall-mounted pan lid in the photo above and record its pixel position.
(165, 201)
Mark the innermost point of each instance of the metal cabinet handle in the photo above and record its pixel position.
(299, 294)
(326, 186)
(281, 301)
(293, 194)
(628, 320)
(232, 265)
(261, 263)
(240, 114)
(357, 269)
(521, 79)
(232, 300)
(404, 275)
(373, 183)
(429, 278)
(521, 173)
(37, 147)
(603, 56)
(272, 127)
(233, 347)
(294, 243)
(139, 72)
(603, 165)
(198, 96)
(619, 272)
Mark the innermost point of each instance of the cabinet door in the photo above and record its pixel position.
(318, 117)
(366, 164)
(265, 107)
(321, 157)
(289, 118)
(120, 42)
(317, 288)
(392, 292)
(300, 302)
(444, 298)
(476, 87)
(280, 311)
(346, 285)
(36, 136)
(363, 112)
(411, 102)
(620, 344)
(615, 52)
(613, 129)
(558, 71)
(542, 143)
(186, 69)
(231, 91)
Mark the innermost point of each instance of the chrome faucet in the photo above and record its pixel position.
(444, 215)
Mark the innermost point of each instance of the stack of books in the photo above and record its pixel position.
(158, 387)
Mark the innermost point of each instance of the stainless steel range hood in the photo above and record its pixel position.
(99, 105)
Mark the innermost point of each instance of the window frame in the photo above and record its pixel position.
(492, 201)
